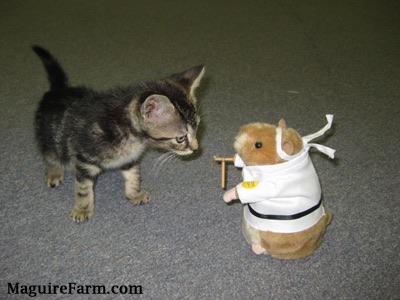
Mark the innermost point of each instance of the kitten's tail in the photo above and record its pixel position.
(56, 75)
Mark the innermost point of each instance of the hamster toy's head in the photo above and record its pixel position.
(256, 143)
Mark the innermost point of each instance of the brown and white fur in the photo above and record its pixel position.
(278, 245)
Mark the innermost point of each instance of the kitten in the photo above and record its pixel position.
(94, 131)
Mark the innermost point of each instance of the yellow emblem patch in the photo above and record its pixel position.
(249, 184)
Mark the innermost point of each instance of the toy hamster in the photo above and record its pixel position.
(283, 215)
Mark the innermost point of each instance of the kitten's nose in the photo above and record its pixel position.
(194, 145)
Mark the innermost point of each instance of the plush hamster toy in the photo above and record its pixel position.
(283, 215)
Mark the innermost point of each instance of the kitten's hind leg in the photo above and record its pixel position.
(84, 195)
(54, 174)
(131, 174)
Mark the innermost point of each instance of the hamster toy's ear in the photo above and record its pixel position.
(287, 144)
(292, 142)
(288, 147)
(282, 123)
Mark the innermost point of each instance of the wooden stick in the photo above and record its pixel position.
(223, 160)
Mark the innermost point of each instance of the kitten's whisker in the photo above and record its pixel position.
(203, 113)
(161, 161)
(175, 158)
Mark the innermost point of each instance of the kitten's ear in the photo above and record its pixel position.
(189, 79)
(157, 109)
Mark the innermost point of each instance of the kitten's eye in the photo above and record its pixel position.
(181, 139)
(258, 145)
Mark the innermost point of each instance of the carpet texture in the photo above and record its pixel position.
(265, 60)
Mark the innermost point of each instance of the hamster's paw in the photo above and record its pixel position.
(257, 249)
(230, 195)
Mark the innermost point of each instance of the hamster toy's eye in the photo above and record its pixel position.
(258, 145)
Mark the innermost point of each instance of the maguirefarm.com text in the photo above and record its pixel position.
(72, 288)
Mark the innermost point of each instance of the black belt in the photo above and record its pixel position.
(285, 217)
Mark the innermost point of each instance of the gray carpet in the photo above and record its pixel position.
(265, 60)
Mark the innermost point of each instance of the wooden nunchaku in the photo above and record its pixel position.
(223, 160)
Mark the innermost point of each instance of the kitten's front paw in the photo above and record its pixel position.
(141, 197)
(81, 215)
(54, 179)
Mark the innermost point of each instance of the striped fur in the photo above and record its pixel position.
(93, 131)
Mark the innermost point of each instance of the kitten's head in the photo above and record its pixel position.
(168, 112)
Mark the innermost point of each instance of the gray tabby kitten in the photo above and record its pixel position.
(96, 131)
